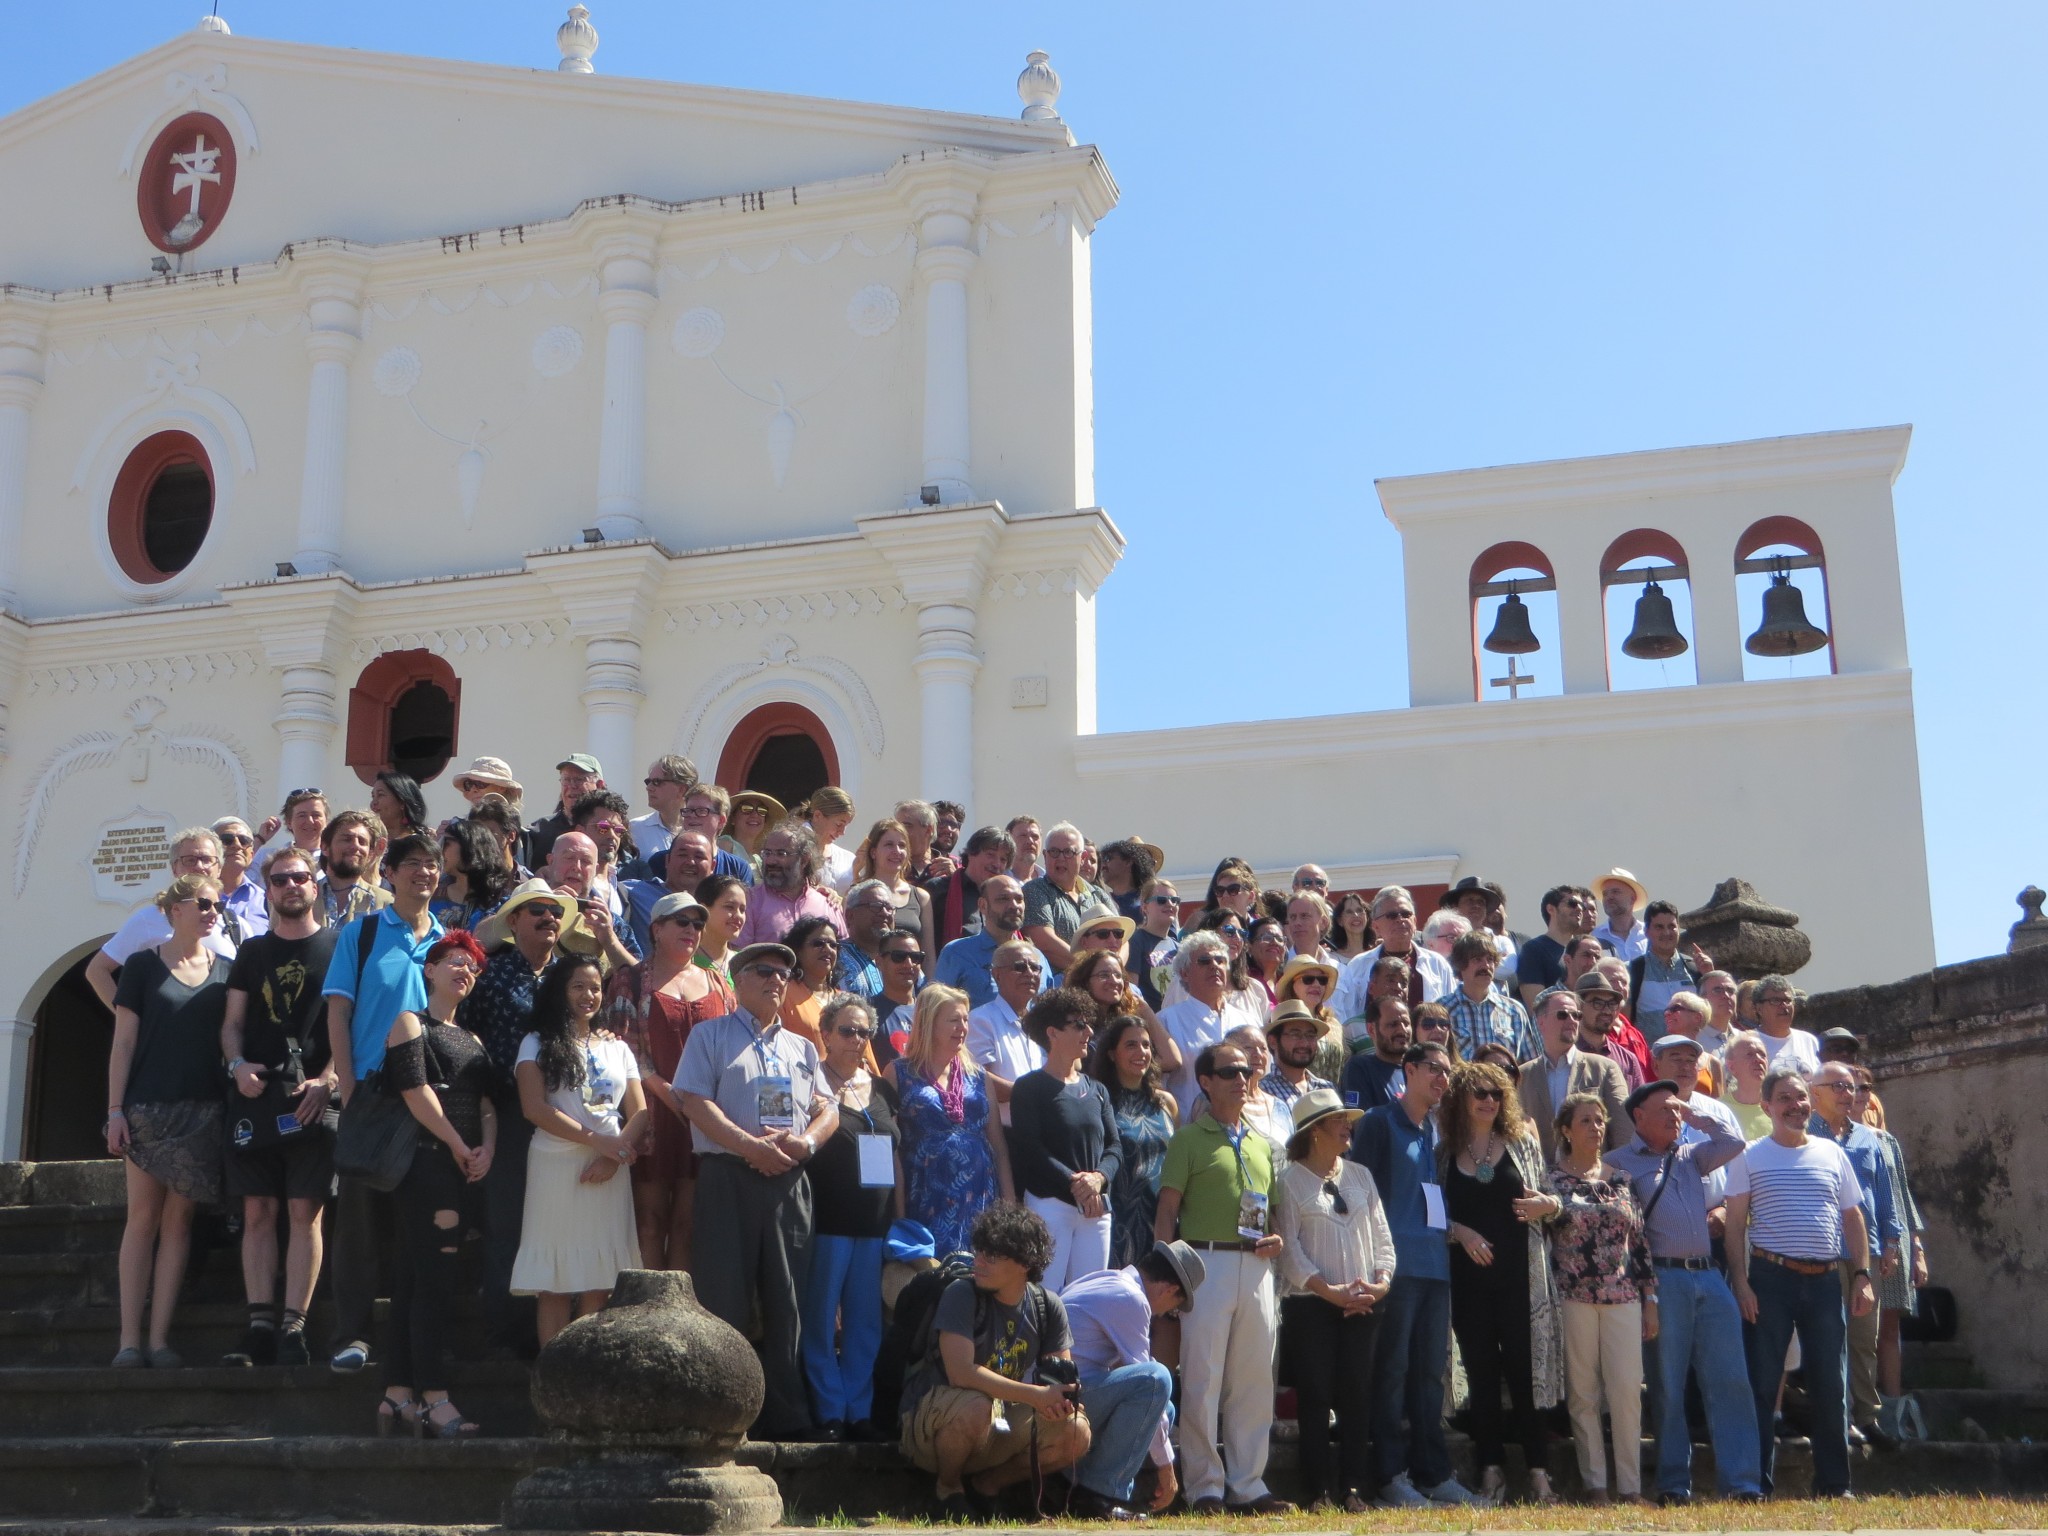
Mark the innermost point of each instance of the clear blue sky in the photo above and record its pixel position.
(1503, 232)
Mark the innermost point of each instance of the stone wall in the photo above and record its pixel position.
(1961, 1055)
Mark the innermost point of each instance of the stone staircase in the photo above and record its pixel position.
(80, 1441)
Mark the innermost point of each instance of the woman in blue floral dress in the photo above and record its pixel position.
(1145, 1122)
(955, 1165)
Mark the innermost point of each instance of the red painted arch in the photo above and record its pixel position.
(1634, 545)
(382, 684)
(760, 726)
(1514, 555)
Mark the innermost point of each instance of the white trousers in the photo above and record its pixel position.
(1226, 1362)
(1603, 1348)
(1080, 1244)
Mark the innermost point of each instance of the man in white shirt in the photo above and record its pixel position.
(1393, 922)
(1794, 1209)
(668, 783)
(1791, 1050)
(1721, 991)
(194, 851)
(1621, 897)
(995, 1038)
(1202, 967)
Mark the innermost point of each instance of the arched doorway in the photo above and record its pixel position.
(67, 1068)
(781, 749)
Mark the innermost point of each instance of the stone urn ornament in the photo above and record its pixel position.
(1747, 936)
(654, 1393)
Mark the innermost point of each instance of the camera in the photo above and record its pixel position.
(1052, 1368)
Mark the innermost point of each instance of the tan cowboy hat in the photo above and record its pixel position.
(492, 773)
(766, 802)
(1153, 852)
(1618, 875)
(1300, 966)
(1320, 1104)
(495, 931)
(1123, 925)
(1294, 1009)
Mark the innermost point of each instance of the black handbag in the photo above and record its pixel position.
(378, 1133)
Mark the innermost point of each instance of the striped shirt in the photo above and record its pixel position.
(1493, 1019)
(1796, 1196)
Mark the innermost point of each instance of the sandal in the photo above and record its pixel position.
(394, 1414)
(427, 1427)
(131, 1358)
(1540, 1491)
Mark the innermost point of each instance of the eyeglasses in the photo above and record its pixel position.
(238, 839)
(769, 972)
(904, 956)
(700, 813)
(1498, 1095)
(854, 1032)
(1775, 1000)
(1235, 888)
(1238, 1074)
(1312, 884)
(208, 904)
(420, 867)
(1337, 1201)
(1308, 1035)
(292, 877)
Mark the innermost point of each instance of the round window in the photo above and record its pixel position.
(161, 508)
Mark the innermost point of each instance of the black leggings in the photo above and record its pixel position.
(425, 1278)
(1329, 1360)
(1490, 1316)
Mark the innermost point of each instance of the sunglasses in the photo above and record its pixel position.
(1315, 979)
(904, 956)
(770, 972)
(546, 909)
(1233, 889)
(1020, 968)
(650, 783)
(1076, 1024)
(1498, 1095)
(209, 904)
(237, 839)
(1314, 885)
(298, 792)
(1163, 901)
(1337, 1201)
(853, 1032)
(1239, 1074)
(291, 877)
(1231, 933)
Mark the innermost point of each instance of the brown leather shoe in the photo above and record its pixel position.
(1206, 1507)
(1265, 1504)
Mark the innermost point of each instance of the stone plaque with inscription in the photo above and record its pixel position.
(131, 858)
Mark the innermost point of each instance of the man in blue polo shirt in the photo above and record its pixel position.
(365, 994)
(966, 962)
(1396, 1144)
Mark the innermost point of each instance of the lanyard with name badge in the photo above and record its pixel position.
(877, 1156)
(1251, 1203)
(774, 1092)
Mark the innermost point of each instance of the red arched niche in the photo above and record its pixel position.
(1634, 545)
(760, 727)
(1779, 530)
(376, 694)
(1511, 555)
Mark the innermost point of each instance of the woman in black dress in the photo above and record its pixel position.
(447, 1078)
(164, 1096)
(1503, 1310)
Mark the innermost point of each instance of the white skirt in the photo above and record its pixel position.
(574, 1237)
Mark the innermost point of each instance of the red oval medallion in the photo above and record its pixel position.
(187, 180)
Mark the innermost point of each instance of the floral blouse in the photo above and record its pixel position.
(1598, 1246)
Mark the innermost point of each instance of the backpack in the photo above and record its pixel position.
(913, 1338)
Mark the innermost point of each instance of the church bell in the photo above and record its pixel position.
(1654, 636)
(1786, 630)
(1511, 634)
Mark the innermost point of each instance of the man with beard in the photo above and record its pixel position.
(968, 963)
(955, 898)
(279, 1150)
(1294, 1036)
(348, 847)
(1374, 1077)
(789, 865)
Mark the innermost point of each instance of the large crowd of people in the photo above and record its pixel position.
(1011, 1151)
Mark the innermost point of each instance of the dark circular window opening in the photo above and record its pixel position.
(422, 731)
(162, 507)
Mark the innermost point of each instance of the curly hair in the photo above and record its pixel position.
(483, 862)
(1082, 972)
(1016, 1232)
(1455, 1117)
(1056, 1009)
(1133, 853)
(561, 1057)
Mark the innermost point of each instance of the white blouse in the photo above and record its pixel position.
(1318, 1241)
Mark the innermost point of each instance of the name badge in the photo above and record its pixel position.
(1433, 1205)
(1251, 1214)
(877, 1163)
(775, 1102)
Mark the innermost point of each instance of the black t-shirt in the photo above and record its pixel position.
(1140, 968)
(1541, 962)
(283, 978)
(177, 1044)
(840, 1205)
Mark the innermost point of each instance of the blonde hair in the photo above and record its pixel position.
(829, 801)
(184, 888)
(924, 1028)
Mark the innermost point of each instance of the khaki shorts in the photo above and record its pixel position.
(1007, 1436)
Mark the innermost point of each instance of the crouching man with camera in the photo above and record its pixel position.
(997, 1400)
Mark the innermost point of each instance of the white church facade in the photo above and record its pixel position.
(521, 412)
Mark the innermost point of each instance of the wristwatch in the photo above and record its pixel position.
(236, 1065)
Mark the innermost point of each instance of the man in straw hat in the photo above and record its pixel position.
(1621, 896)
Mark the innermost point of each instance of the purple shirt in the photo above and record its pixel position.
(770, 915)
(1111, 1324)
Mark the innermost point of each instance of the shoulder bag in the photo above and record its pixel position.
(378, 1133)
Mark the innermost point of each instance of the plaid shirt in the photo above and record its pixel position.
(1283, 1092)
(1493, 1018)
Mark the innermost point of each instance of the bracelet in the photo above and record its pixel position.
(1859, 1274)
(117, 1113)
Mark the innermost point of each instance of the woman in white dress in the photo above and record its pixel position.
(580, 1086)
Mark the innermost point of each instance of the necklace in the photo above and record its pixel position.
(1482, 1169)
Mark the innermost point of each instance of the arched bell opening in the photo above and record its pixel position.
(1516, 651)
(1646, 599)
(1781, 593)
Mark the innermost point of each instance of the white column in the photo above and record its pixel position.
(946, 668)
(1716, 618)
(15, 1038)
(945, 259)
(21, 385)
(307, 719)
(625, 303)
(612, 696)
(335, 314)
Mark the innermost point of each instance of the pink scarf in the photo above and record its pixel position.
(953, 1093)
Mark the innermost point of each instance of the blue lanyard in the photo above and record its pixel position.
(1236, 1140)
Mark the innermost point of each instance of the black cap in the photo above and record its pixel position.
(1644, 1094)
(1471, 885)
(1845, 1037)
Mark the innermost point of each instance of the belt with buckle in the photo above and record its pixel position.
(1683, 1263)
(1235, 1245)
(1797, 1266)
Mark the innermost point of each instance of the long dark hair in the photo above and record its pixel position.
(1102, 1064)
(406, 789)
(483, 862)
(801, 933)
(561, 1058)
(1231, 866)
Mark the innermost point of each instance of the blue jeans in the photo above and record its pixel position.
(1409, 1357)
(844, 1283)
(1811, 1305)
(1124, 1409)
(1699, 1327)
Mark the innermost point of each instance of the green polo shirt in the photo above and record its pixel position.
(1202, 1166)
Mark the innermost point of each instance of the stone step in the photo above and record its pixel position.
(214, 1401)
(61, 1228)
(202, 1331)
(1984, 1413)
(99, 1181)
(1924, 1365)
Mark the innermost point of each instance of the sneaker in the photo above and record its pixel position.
(1401, 1494)
(1450, 1491)
(350, 1358)
(258, 1346)
(291, 1348)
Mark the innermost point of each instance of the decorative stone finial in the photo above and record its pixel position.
(1039, 88)
(577, 39)
(1746, 935)
(212, 22)
(2031, 931)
